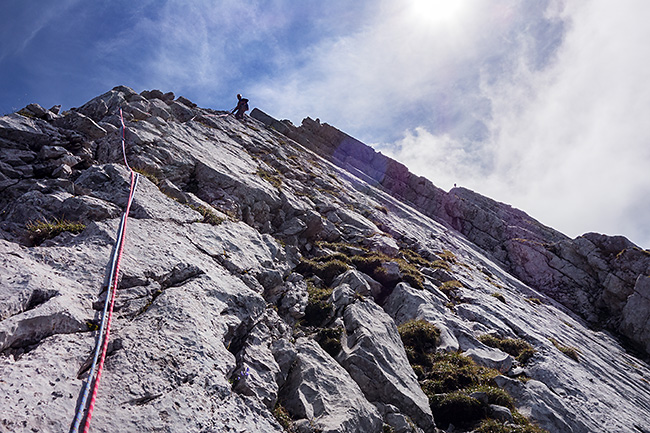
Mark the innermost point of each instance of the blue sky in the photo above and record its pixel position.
(543, 105)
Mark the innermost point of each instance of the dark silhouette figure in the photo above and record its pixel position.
(241, 108)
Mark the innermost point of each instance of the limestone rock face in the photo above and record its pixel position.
(265, 271)
(636, 313)
(374, 356)
(593, 275)
(318, 389)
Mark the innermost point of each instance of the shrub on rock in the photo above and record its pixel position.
(319, 307)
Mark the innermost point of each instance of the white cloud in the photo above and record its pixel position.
(570, 144)
(382, 70)
(584, 131)
(542, 105)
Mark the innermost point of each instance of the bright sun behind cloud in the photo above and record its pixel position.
(435, 11)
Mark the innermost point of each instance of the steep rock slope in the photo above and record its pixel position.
(263, 288)
(603, 278)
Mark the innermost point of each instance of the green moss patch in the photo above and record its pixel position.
(325, 268)
(283, 417)
(450, 381)
(495, 395)
(420, 338)
(453, 371)
(372, 264)
(273, 178)
(148, 174)
(456, 408)
(209, 217)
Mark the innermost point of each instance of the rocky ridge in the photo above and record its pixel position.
(602, 278)
(268, 272)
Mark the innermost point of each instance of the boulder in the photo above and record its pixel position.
(52, 152)
(181, 112)
(319, 390)
(357, 281)
(383, 244)
(258, 373)
(406, 303)
(37, 111)
(25, 132)
(160, 109)
(374, 356)
(491, 358)
(152, 94)
(500, 413)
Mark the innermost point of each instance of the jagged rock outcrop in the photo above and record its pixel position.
(263, 286)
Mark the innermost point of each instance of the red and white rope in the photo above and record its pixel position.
(107, 315)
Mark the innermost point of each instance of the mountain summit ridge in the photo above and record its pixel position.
(271, 274)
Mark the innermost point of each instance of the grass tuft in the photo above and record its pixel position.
(327, 267)
(569, 351)
(319, 308)
(209, 217)
(283, 417)
(148, 174)
(330, 340)
(520, 349)
(43, 230)
(420, 335)
(273, 178)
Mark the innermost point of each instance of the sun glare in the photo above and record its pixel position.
(435, 11)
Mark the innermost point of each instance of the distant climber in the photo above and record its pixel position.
(241, 108)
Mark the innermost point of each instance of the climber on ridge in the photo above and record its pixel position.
(241, 108)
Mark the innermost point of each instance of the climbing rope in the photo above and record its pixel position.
(105, 328)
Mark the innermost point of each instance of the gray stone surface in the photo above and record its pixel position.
(209, 331)
(318, 390)
(636, 314)
(374, 356)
